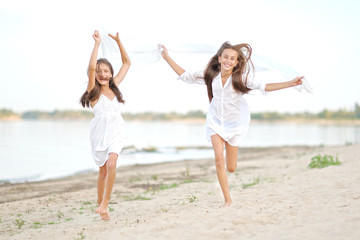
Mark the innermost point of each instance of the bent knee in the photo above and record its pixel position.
(231, 169)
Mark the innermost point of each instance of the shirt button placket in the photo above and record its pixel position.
(222, 107)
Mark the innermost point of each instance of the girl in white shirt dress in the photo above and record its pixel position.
(228, 76)
(107, 126)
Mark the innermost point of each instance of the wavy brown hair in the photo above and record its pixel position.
(240, 72)
(94, 94)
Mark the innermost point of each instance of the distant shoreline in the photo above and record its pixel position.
(326, 117)
(354, 122)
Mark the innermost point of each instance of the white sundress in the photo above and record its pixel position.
(228, 114)
(107, 130)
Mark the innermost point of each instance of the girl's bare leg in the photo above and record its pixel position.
(231, 157)
(101, 183)
(218, 146)
(109, 183)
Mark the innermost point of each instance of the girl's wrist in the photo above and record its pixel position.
(166, 57)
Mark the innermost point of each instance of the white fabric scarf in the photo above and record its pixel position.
(147, 54)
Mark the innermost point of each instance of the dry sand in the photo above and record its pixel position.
(181, 201)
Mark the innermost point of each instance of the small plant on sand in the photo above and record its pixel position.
(59, 215)
(81, 236)
(162, 186)
(37, 225)
(19, 223)
(256, 181)
(126, 197)
(192, 198)
(167, 186)
(154, 177)
(165, 209)
(28, 211)
(134, 198)
(323, 161)
(189, 180)
(139, 197)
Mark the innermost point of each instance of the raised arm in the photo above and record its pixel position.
(92, 63)
(124, 58)
(277, 86)
(168, 59)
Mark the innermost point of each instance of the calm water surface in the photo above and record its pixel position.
(38, 150)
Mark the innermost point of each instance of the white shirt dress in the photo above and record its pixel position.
(228, 114)
(107, 129)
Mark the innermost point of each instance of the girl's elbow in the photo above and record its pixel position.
(127, 62)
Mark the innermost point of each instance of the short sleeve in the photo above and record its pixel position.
(255, 84)
(193, 77)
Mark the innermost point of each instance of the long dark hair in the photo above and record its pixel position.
(240, 71)
(94, 94)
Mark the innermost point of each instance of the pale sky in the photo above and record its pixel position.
(46, 45)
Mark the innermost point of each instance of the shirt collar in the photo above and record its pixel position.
(228, 81)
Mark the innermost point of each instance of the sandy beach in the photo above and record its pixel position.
(276, 196)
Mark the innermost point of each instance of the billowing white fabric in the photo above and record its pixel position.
(228, 114)
(263, 64)
(142, 54)
(107, 134)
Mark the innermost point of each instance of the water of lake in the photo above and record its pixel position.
(38, 150)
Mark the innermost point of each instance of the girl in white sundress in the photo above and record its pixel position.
(107, 126)
(228, 76)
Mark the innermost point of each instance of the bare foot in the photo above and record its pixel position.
(103, 207)
(105, 215)
(102, 210)
(226, 204)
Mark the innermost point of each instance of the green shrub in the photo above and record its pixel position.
(323, 161)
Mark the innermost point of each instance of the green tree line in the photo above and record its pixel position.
(340, 114)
